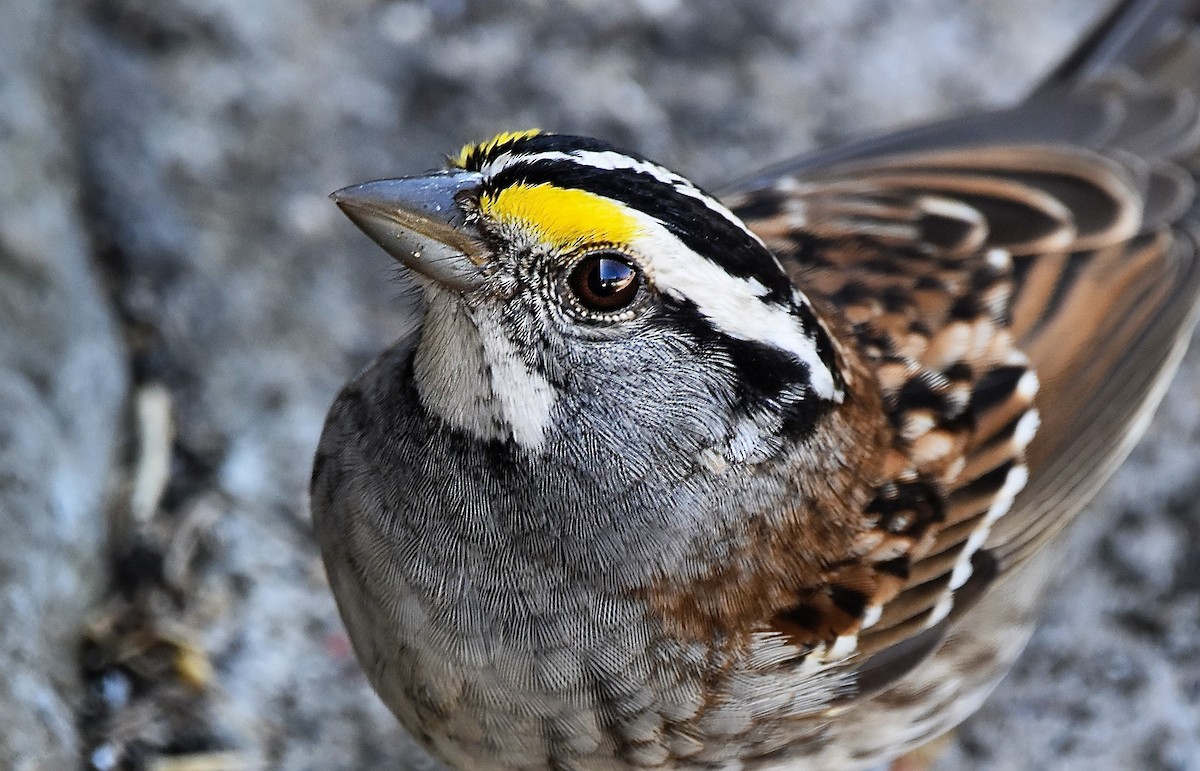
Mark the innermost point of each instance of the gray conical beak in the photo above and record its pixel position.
(417, 221)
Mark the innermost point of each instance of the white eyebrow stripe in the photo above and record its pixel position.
(611, 160)
(734, 305)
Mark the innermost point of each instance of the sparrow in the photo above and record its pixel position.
(664, 480)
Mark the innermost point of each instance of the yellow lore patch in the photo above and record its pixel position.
(564, 218)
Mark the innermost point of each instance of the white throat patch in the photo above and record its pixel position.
(468, 373)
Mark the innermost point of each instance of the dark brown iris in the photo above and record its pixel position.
(605, 282)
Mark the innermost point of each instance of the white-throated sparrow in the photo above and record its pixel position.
(657, 483)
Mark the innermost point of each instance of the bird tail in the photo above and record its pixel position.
(1130, 86)
(1132, 36)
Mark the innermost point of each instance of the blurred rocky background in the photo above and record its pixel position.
(179, 303)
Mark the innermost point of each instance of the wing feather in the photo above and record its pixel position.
(1050, 276)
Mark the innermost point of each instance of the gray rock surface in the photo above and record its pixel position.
(62, 380)
(204, 135)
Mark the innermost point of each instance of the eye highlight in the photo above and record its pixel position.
(604, 282)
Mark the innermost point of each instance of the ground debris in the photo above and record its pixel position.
(150, 684)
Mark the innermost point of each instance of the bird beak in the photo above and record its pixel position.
(418, 221)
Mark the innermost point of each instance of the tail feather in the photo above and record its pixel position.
(1130, 29)
(1132, 85)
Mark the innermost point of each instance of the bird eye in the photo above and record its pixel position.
(604, 282)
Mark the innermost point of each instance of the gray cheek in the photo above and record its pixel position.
(649, 401)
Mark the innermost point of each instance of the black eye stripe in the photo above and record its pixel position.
(766, 375)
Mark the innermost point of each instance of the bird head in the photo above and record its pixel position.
(584, 301)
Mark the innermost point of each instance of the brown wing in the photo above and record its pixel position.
(964, 264)
(914, 255)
